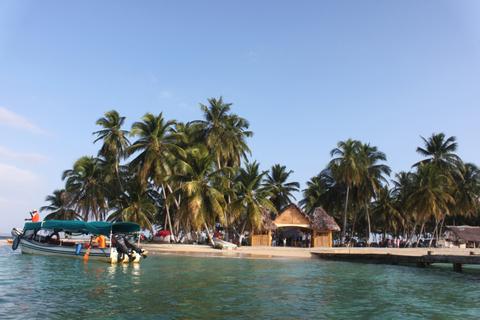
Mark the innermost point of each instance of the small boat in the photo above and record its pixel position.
(223, 245)
(44, 238)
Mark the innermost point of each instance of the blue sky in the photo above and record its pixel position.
(305, 73)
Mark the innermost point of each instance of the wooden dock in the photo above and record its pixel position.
(415, 257)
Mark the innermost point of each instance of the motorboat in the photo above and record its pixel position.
(61, 238)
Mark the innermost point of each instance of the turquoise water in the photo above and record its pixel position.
(178, 287)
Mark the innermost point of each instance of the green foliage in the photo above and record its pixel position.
(201, 204)
(281, 190)
(224, 133)
(59, 207)
(252, 198)
(190, 176)
(136, 204)
(85, 183)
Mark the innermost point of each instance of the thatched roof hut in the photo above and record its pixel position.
(463, 234)
(267, 222)
(319, 225)
(321, 221)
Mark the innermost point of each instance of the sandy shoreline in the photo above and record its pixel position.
(242, 252)
(285, 252)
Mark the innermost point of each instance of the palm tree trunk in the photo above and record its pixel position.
(409, 241)
(440, 232)
(227, 234)
(434, 233)
(177, 201)
(117, 173)
(240, 235)
(177, 206)
(354, 224)
(165, 224)
(168, 213)
(421, 232)
(219, 165)
(369, 229)
(210, 238)
(344, 230)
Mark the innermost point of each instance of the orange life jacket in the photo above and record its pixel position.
(102, 241)
(36, 217)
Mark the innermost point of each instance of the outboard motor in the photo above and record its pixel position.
(17, 235)
(135, 248)
(121, 247)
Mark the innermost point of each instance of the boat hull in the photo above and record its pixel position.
(106, 255)
(33, 247)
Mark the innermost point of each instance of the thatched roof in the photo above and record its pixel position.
(466, 233)
(321, 221)
(267, 223)
(292, 215)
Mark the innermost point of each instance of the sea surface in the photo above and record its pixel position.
(180, 287)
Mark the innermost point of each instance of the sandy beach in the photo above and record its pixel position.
(242, 252)
(285, 252)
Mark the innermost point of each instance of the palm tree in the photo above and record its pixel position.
(281, 190)
(136, 205)
(431, 197)
(224, 133)
(439, 150)
(439, 153)
(189, 135)
(85, 183)
(323, 191)
(384, 211)
(403, 186)
(347, 167)
(202, 204)
(466, 190)
(372, 179)
(251, 197)
(156, 143)
(115, 141)
(59, 207)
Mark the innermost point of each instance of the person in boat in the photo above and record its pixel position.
(101, 241)
(53, 237)
(34, 216)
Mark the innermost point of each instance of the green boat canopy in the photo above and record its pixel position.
(76, 226)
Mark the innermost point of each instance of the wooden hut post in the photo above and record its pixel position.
(314, 237)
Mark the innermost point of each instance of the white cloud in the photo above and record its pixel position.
(30, 157)
(10, 118)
